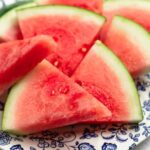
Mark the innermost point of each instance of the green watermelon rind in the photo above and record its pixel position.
(61, 9)
(18, 87)
(5, 9)
(9, 106)
(138, 35)
(8, 19)
(14, 92)
(125, 77)
(13, 98)
(109, 5)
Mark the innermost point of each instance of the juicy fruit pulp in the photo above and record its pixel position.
(9, 26)
(136, 10)
(73, 29)
(110, 83)
(19, 57)
(46, 98)
(130, 42)
(54, 100)
(94, 5)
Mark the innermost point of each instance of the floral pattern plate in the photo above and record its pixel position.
(86, 137)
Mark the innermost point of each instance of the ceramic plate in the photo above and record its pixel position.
(87, 137)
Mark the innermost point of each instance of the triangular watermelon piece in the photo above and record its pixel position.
(94, 5)
(18, 57)
(73, 29)
(131, 43)
(103, 75)
(136, 10)
(46, 98)
(9, 25)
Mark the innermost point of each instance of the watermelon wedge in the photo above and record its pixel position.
(94, 5)
(54, 100)
(10, 5)
(73, 29)
(136, 10)
(109, 81)
(9, 26)
(19, 57)
(130, 42)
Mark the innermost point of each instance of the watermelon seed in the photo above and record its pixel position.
(79, 82)
(56, 63)
(84, 50)
(52, 93)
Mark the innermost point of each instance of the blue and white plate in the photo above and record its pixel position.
(86, 137)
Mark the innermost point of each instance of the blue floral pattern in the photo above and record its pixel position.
(16, 147)
(109, 146)
(132, 146)
(88, 134)
(86, 146)
(115, 131)
(5, 138)
(146, 105)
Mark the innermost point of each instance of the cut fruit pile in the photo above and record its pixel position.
(136, 10)
(94, 5)
(55, 101)
(130, 42)
(110, 82)
(60, 72)
(20, 56)
(72, 28)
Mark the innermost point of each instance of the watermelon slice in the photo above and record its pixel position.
(109, 81)
(54, 100)
(137, 10)
(19, 57)
(94, 5)
(9, 26)
(73, 29)
(7, 6)
(131, 43)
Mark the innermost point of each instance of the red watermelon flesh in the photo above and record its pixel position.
(103, 75)
(136, 10)
(94, 5)
(54, 101)
(130, 42)
(73, 29)
(13, 33)
(19, 57)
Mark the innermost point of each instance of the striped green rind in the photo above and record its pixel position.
(7, 8)
(12, 100)
(110, 5)
(137, 35)
(9, 123)
(127, 83)
(61, 10)
(10, 108)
